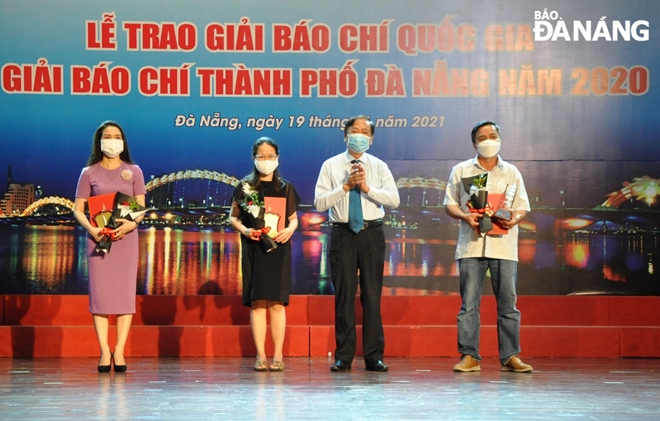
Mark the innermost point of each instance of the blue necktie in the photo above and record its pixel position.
(355, 218)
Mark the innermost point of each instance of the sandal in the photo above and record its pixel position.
(276, 366)
(261, 365)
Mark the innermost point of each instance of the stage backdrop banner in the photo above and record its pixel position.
(194, 84)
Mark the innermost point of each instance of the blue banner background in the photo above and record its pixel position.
(572, 150)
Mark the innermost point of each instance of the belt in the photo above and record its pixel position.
(367, 224)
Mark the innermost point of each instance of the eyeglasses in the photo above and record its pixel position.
(271, 157)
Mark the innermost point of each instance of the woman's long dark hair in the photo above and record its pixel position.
(97, 155)
(253, 178)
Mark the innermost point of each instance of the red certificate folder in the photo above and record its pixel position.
(275, 215)
(100, 209)
(496, 201)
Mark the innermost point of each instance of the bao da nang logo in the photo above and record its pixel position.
(549, 26)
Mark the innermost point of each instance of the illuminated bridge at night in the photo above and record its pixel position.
(208, 194)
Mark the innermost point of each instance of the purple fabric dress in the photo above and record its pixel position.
(112, 276)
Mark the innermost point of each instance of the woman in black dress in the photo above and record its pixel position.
(265, 205)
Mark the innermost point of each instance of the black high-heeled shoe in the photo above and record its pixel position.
(118, 368)
(105, 368)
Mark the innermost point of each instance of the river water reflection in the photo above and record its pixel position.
(51, 260)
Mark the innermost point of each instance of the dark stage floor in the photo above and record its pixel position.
(414, 389)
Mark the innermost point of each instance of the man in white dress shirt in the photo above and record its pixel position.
(477, 252)
(354, 186)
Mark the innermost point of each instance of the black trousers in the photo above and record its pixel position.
(348, 253)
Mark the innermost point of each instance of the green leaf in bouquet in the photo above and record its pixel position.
(134, 205)
(251, 197)
(480, 181)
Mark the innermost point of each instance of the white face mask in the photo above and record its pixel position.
(112, 147)
(488, 148)
(266, 167)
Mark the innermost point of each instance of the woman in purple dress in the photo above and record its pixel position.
(113, 275)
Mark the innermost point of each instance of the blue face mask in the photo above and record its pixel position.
(358, 143)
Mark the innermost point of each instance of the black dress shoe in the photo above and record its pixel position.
(119, 368)
(105, 368)
(340, 365)
(377, 366)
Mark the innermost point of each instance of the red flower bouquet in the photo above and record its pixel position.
(253, 205)
(105, 209)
